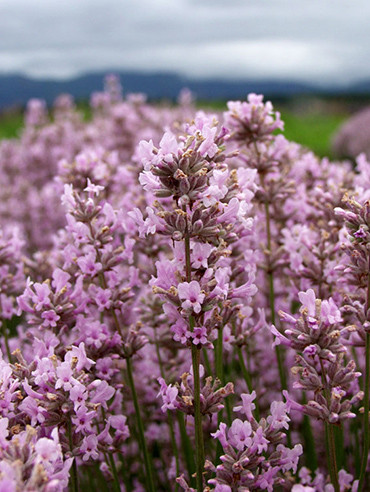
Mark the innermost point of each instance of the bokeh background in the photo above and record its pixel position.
(310, 57)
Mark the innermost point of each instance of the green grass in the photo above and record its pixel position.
(313, 130)
(10, 124)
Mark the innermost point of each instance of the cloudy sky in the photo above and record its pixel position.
(324, 41)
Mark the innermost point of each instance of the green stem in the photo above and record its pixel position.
(116, 484)
(125, 476)
(219, 374)
(355, 358)
(195, 355)
(365, 450)
(327, 451)
(218, 355)
(74, 476)
(142, 441)
(309, 440)
(338, 434)
(187, 258)
(228, 411)
(169, 417)
(140, 425)
(174, 446)
(186, 446)
(98, 480)
(247, 378)
(110, 460)
(103, 282)
(199, 445)
(6, 340)
(331, 453)
(207, 365)
(245, 372)
(334, 477)
(270, 276)
(356, 447)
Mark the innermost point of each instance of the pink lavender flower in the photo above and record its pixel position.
(247, 406)
(240, 434)
(252, 120)
(88, 264)
(65, 376)
(278, 418)
(169, 395)
(161, 247)
(199, 335)
(119, 423)
(200, 254)
(83, 419)
(89, 448)
(191, 296)
(50, 318)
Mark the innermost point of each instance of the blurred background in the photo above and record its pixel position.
(309, 57)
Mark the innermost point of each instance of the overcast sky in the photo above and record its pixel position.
(324, 41)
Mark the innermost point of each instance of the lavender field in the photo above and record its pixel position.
(185, 302)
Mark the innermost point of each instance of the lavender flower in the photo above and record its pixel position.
(150, 239)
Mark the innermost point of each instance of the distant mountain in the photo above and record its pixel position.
(17, 89)
(361, 87)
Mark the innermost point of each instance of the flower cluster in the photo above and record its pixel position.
(181, 396)
(208, 198)
(317, 337)
(30, 463)
(255, 457)
(148, 239)
(252, 120)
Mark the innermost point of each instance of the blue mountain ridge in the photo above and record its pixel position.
(16, 90)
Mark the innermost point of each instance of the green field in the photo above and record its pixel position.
(313, 129)
(10, 124)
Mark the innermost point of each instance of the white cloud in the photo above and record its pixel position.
(301, 39)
